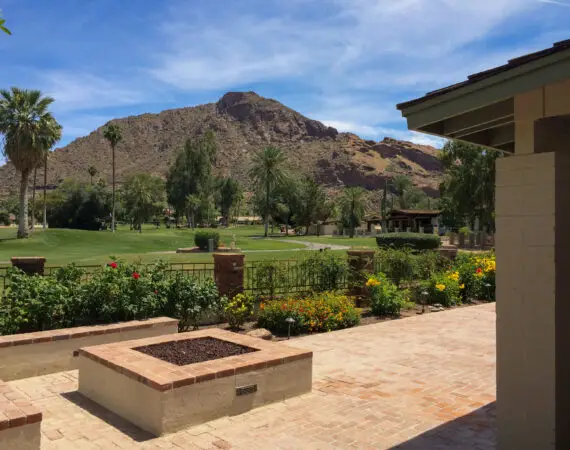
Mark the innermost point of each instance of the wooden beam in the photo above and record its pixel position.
(494, 138)
(477, 120)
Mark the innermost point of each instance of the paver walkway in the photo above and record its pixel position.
(426, 382)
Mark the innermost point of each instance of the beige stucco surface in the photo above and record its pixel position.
(25, 437)
(526, 301)
(48, 357)
(165, 412)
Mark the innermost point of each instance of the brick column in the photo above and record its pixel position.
(29, 264)
(360, 264)
(533, 307)
(228, 273)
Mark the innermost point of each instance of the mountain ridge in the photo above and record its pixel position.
(244, 122)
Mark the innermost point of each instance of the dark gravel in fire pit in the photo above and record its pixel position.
(192, 351)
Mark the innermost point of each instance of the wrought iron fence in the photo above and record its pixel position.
(198, 271)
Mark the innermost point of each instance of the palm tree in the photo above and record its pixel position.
(352, 208)
(113, 134)
(3, 27)
(28, 128)
(267, 174)
(92, 172)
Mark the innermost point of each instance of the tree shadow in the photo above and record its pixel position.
(124, 426)
(474, 431)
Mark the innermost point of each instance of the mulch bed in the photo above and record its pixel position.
(192, 351)
(366, 318)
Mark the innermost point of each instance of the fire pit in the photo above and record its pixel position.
(167, 383)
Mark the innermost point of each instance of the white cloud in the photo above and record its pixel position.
(77, 91)
(554, 2)
(362, 130)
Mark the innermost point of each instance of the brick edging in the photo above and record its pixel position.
(15, 410)
(222, 373)
(12, 340)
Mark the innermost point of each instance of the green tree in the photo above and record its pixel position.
(468, 188)
(189, 182)
(113, 134)
(29, 130)
(92, 172)
(312, 200)
(267, 174)
(352, 207)
(229, 191)
(408, 196)
(144, 197)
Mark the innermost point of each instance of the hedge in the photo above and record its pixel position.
(202, 237)
(415, 241)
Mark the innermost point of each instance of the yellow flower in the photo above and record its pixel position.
(440, 287)
(372, 282)
(462, 286)
(454, 276)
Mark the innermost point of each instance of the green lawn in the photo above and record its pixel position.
(61, 246)
(337, 240)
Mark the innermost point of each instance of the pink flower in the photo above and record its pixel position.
(136, 275)
(155, 292)
(113, 265)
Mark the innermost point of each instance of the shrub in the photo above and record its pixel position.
(445, 288)
(324, 271)
(429, 262)
(5, 218)
(415, 241)
(477, 273)
(189, 301)
(396, 264)
(117, 292)
(202, 237)
(239, 309)
(326, 311)
(270, 277)
(385, 297)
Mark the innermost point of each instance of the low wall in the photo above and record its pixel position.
(19, 421)
(31, 354)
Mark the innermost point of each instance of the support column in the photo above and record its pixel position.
(533, 301)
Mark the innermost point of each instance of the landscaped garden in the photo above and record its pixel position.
(316, 293)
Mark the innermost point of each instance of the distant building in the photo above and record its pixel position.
(414, 219)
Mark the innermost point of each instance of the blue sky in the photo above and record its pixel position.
(344, 62)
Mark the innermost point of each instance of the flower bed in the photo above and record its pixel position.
(326, 311)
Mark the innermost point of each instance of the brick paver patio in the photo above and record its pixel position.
(426, 382)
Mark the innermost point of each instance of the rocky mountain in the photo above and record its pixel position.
(244, 122)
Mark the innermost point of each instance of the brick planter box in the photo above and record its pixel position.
(161, 397)
(31, 354)
(19, 421)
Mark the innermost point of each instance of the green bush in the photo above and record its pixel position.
(324, 271)
(415, 241)
(325, 311)
(429, 262)
(202, 237)
(5, 218)
(477, 274)
(117, 292)
(444, 288)
(189, 301)
(269, 278)
(385, 297)
(238, 310)
(396, 264)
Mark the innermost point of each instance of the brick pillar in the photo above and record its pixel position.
(228, 273)
(360, 264)
(29, 264)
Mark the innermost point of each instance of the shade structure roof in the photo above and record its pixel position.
(480, 109)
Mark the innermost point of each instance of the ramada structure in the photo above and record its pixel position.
(523, 108)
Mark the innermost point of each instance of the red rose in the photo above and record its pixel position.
(113, 265)
(136, 275)
(479, 270)
(155, 292)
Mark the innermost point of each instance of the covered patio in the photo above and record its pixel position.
(522, 108)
